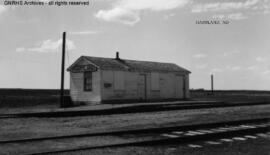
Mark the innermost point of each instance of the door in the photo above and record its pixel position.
(179, 87)
(142, 87)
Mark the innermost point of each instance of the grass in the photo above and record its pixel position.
(21, 100)
(29, 97)
(49, 98)
(35, 127)
(250, 147)
(231, 95)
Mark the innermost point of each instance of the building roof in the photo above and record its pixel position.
(132, 65)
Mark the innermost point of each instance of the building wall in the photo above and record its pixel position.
(120, 85)
(187, 92)
(110, 92)
(167, 86)
(77, 92)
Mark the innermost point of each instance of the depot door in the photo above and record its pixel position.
(142, 87)
(179, 87)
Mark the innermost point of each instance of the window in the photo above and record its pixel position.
(87, 81)
(119, 80)
(154, 81)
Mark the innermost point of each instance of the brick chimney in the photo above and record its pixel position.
(117, 56)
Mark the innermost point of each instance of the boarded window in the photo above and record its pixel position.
(87, 81)
(119, 80)
(154, 81)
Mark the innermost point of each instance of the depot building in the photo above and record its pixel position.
(98, 79)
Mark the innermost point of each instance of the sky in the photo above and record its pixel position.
(237, 54)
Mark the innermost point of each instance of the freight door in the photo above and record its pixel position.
(179, 86)
(142, 87)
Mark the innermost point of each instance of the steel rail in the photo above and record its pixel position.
(175, 140)
(132, 109)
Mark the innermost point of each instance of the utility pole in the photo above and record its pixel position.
(62, 104)
(212, 83)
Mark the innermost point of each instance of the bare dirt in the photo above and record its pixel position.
(36, 127)
(249, 147)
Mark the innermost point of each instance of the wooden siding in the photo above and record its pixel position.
(77, 92)
(167, 83)
(187, 94)
(179, 86)
(132, 85)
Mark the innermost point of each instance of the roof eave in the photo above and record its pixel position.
(79, 59)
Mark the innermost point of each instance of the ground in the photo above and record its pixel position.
(35, 127)
(16, 128)
(259, 146)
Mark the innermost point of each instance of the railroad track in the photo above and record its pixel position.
(138, 137)
(133, 109)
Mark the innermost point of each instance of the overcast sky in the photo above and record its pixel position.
(238, 53)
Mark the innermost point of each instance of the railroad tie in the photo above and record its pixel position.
(196, 132)
(262, 125)
(170, 135)
(226, 140)
(218, 130)
(190, 134)
(247, 126)
(194, 146)
(223, 128)
(263, 135)
(251, 137)
(205, 131)
(177, 132)
(233, 128)
(212, 143)
(239, 138)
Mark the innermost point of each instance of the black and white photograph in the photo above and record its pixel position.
(135, 77)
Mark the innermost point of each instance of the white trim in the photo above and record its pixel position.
(80, 59)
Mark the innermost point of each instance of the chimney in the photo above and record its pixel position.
(117, 56)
